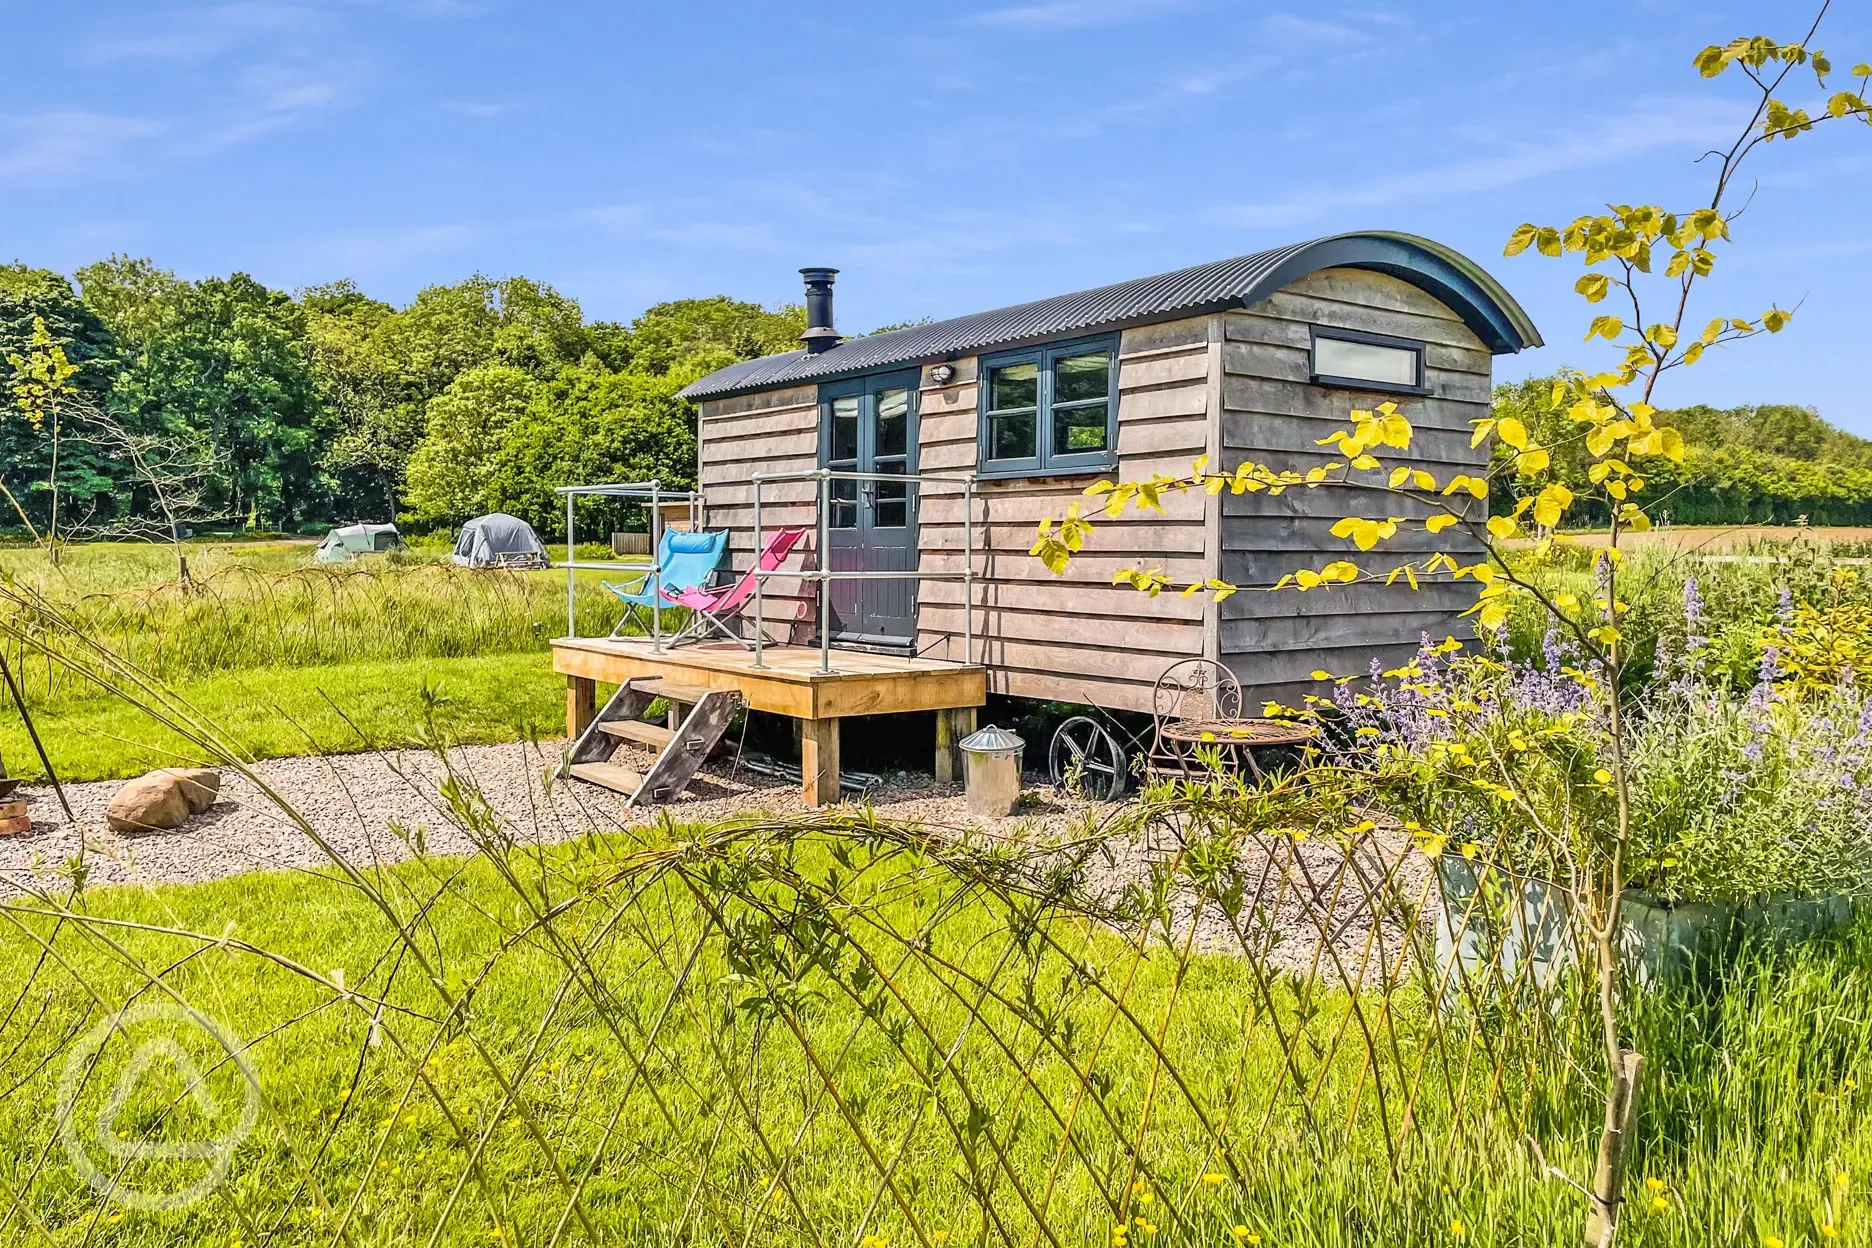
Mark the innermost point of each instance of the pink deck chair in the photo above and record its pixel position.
(714, 612)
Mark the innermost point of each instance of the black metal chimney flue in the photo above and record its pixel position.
(819, 335)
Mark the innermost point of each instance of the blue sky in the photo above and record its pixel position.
(947, 158)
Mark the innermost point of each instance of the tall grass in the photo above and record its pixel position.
(261, 610)
(818, 1033)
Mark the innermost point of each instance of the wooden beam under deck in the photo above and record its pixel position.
(790, 683)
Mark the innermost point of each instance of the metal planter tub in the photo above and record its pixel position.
(1497, 931)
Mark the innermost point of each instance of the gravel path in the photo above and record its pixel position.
(371, 807)
(359, 802)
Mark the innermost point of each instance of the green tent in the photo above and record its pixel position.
(342, 545)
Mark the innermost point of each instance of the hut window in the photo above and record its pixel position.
(1050, 409)
(1345, 357)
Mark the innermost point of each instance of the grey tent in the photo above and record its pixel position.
(344, 544)
(499, 541)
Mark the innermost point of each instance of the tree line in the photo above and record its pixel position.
(298, 411)
(1772, 463)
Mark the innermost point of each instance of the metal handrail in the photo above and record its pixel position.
(824, 575)
(652, 490)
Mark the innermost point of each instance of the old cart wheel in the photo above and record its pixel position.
(1088, 759)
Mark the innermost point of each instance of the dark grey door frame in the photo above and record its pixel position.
(869, 424)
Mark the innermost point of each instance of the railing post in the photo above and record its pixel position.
(571, 575)
(825, 572)
(760, 629)
(968, 570)
(656, 568)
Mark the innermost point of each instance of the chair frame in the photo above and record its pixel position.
(1188, 691)
(704, 623)
(642, 581)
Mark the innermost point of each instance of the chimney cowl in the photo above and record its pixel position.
(819, 335)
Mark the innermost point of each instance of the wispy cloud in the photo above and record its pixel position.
(53, 147)
(1665, 124)
(1289, 30)
(201, 34)
(1071, 14)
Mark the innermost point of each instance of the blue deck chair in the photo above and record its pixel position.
(688, 561)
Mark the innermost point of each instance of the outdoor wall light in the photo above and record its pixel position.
(943, 374)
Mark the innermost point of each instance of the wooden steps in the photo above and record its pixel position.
(641, 731)
(670, 690)
(698, 718)
(610, 775)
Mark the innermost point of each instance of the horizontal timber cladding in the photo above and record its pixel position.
(1074, 637)
(773, 431)
(1273, 414)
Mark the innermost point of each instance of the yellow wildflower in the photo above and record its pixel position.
(1827, 1229)
(1774, 1241)
(1247, 1236)
(1842, 1181)
(1660, 1204)
(1213, 1179)
(1655, 1186)
(1457, 1228)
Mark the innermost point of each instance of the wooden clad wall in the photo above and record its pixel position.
(1271, 413)
(773, 431)
(1232, 385)
(1077, 637)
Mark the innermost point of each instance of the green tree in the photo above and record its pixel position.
(453, 467)
(226, 361)
(89, 479)
(691, 337)
(374, 418)
(585, 427)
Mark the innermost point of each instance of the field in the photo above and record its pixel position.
(285, 656)
(1734, 538)
(844, 1035)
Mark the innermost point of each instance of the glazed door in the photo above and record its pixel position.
(869, 425)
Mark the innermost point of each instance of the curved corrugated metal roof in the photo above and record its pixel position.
(1489, 310)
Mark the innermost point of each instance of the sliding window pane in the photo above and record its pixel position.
(842, 511)
(891, 509)
(1012, 436)
(1079, 377)
(1080, 429)
(1014, 385)
(845, 428)
(893, 421)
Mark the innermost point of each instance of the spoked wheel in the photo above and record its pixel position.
(1088, 759)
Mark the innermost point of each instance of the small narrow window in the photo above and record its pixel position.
(1343, 357)
(1050, 409)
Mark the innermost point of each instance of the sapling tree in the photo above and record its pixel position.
(1644, 266)
(42, 390)
(175, 469)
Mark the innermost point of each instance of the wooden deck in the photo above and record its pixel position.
(788, 683)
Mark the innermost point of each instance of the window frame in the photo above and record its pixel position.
(1046, 462)
(1413, 345)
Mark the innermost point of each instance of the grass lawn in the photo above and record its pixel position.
(271, 648)
(749, 1039)
(282, 712)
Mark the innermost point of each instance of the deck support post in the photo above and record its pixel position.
(581, 705)
(819, 761)
(952, 724)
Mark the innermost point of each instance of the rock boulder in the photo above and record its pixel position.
(162, 800)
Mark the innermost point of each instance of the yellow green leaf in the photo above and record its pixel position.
(1436, 524)
(1594, 286)
(1502, 527)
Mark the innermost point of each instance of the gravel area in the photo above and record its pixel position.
(370, 807)
(357, 802)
